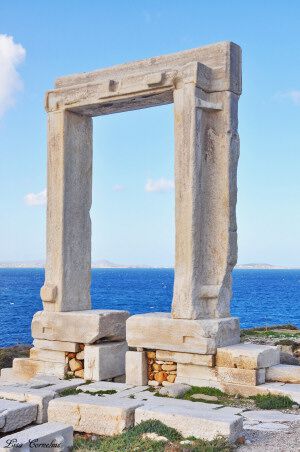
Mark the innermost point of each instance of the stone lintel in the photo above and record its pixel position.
(147, 83)
(79, 326)
(130, 93)
(159, 331)
(225, 56)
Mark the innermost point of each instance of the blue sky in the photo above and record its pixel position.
(133, 198)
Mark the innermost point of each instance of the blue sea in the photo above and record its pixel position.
(260, 297)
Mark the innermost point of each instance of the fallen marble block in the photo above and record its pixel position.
(284, 373)
(247, 356)
(94, 414)
(22, 393)
(15, 415)
(49, 436)
(193, 421)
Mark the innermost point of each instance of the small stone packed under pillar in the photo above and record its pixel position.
(160, 372)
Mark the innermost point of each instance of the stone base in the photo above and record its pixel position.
(63, 341)
(159, 331)
(84, 327)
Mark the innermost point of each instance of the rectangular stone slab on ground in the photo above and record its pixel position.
(104, 361)
(40, 397)
(50, 436)
(283, 372)
(79, 326)
(92, 414)
(15, 415)
(160, 331)
(105, 386)
(247, 356)
(204, 424)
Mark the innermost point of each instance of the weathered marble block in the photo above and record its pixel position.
(54, 356)
(49, 433)
(15, 415)
(39, 397)
(79, 326)
(92, 414)
(247, 356)
(185, 358)
(160, 331)
(284, 373)
(103, 361)
(43, 344)
(136, 368)
(28, 368)
(191, 420)
(241, 376)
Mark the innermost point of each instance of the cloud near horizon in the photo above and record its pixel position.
(293, 95)
(36, 199)
(11, 55)
(159, 185)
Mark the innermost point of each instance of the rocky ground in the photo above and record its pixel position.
(287, 440)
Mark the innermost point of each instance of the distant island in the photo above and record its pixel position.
(103, 263)
(263, 267)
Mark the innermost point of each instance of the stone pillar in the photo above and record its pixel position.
(69, 190)
(206, 156)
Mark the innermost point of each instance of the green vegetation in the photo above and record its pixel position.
(75, 391)
(272, 402)
(281, 332)
(204, 390)
(132, 441)
(8, 354)
(272, 327)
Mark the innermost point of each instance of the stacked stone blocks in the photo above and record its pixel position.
(83, 344)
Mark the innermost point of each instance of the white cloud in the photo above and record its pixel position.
(293, 95)
(118, 187)
(11, 55)
(159, 185)
(36, 199)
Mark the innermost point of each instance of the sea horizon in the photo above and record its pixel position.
(260, 297)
